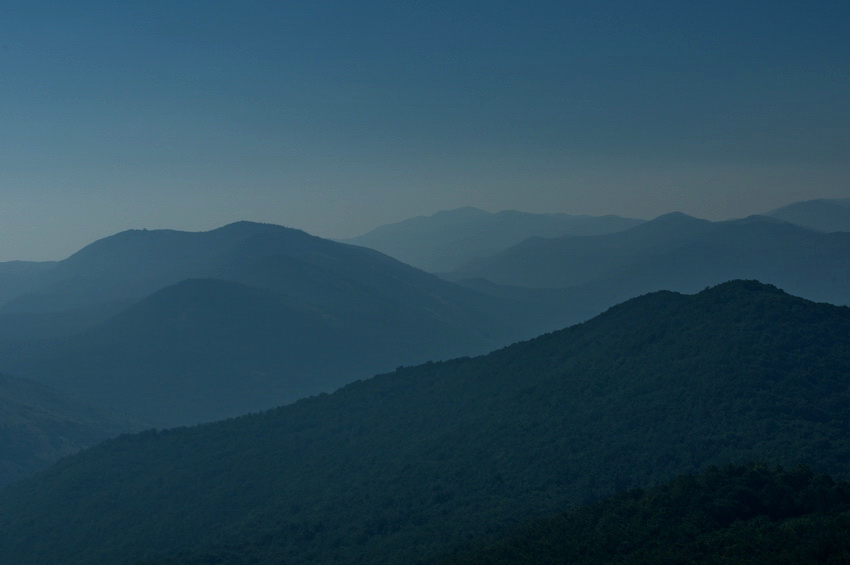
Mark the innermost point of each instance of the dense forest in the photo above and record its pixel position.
(734, 514)
(405, 466)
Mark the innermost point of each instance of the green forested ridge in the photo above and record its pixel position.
(404, 466)
(735, 514)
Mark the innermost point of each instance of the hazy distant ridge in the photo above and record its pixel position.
(828, 215)
(676, 252)
(215, 324)
(445, 240)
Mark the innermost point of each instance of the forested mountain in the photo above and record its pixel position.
(39, 425)
(673, 252)
(735, 514)
(276, 315)
(405, 466)
(446, 240)
(823, 214)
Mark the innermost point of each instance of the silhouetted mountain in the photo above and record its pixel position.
(295, 315)
(737, 514)
(672, 252)
(569, 261)
(402, 467)
(446, 240)
(113, 272)
(39, 425)
(827, 215)
(132, 264)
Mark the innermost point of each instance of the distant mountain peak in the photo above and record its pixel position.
(677, 216)
(249, 226)
(822, 214)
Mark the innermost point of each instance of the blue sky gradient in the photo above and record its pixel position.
(335, 117)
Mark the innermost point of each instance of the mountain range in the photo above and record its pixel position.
(179, 327)
(405, 466)
(822, 214)
(208, 325)
(447, 240)
(679, 252)
(586, 275)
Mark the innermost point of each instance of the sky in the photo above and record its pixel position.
(336, 117)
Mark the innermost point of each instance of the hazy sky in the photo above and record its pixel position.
(338, 116)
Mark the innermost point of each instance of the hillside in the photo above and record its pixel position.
(404, 466)
(446, 240)
(39, 425)
(734, 514)
(207, 349)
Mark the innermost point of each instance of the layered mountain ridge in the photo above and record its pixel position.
(202, 326)
(404, 466)
(447, 240)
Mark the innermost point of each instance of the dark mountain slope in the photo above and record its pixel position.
(827, 215)
(404, 466)
(39, 425)
(737, 514)
(446, 240)
(207, 349)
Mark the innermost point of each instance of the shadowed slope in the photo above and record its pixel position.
(405, 465)
(736, 514)
(39, 425)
